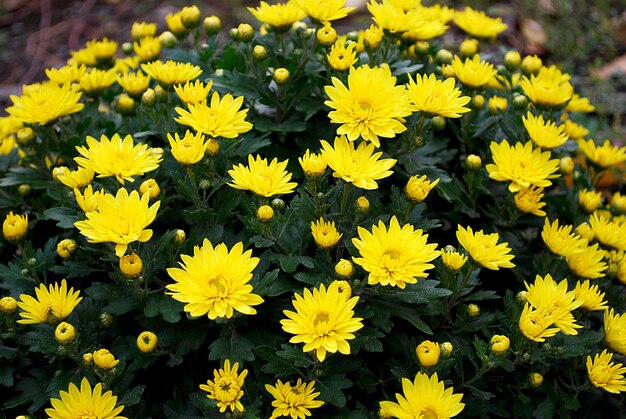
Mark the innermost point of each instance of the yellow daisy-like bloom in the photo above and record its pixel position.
(95, 81)
(312, 164)
(295, 401)
(425, 397)
(615, 259)
(324, 10)
(549, 88)
(279, 16)
(529, 200)
(142, 30)
(452, 259)
(405, 5)
(605, 156)
(171, 72)
(589, 200)
(175, 24)
(103, 49)
(104, 359)
(46, 104)
(587, 263)
(135, 84)
(193, 92)
(417, 189)
(119, 219)
(590, 296)
(522, 165)
(188, 150)
(497, 104)
(14, 227)
(545, 134)
(325, 233)
(423, 29)
(83, 56)
(396, 256)
(607, 232)
(85, 403)
(222, 118)
(126, 64)
(70, 73)
(371, 106)
(473, 72)
(535, 324)
(389, 16)
(361, 166)
(560, 240)
(615, 330)
(78, 178)
(324, 320)
(226, 387)
(215, 281)
(478, 24)
(484, 248)
(50, 305)
(88, 200)
(117, 157)
(436, 97)
(342, 57)
(605, 374)
(618, 202)
(147, 48)
(262, 178)
(573, 130)
(444, 14)
(556, 300)
(579, 104)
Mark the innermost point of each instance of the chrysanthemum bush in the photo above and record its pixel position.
(286, 221)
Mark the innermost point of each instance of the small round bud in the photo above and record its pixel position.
(281, 75)
(326, 35)
(180, 236)
(535, 379)
(167, 39)
(212, 25)
(362, 204)
(234, 34)
(131, 265)
(278, 204)
(447, 71)
(522, 296)
(8, 305)
(127, 48)
(104, 359)
(422, 47)
(443, 56)
(66, 248)
(428, 353)
(265, 213)
(64, 333)
(212, 147)
(26, 136)
(148, 98)
(259, 52)
(298, 26)
(344, 288)
(151, 187)
(204, 184)
(499, 344)
(15, 227)
(531, 64)
(446, 349)
(190, 16)
(566, 165)
(125, 104)
(438, 123)
(344, 268)
(245, 32)
(472, 310)
(31, 262)
(24, 189)
(58, 171)
(308, 33)
(473, 162)
(520, 102)
(22, 417)
(105, 319)
(468, 48)
(88, 358)
(477, 102)
(147, 341)
(512, 60)
(161, 94)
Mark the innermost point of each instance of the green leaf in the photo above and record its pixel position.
(118, 297)
(164, 305)
(65, 217)
(33, 177)
(295, 356)
(331, 387)
(235, 347)
(6, 375)
(132, 397)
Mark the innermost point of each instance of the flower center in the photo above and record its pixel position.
(85, 415)
(429, 413)
(321, 317)
(218, 282)
(601, 374)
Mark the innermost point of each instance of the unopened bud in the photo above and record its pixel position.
(477, 102)
(446, 349)
(278, 204)
(259, 52)
(443, 56)
(167, 39)
(473, 310)
(473, 162)
(148, 98)
(535, 379)
(212, 25)
(512, 60)
(245, 32)
(265, 213)
(106, 319)
(344, 268)
(362, 204)
(180, 236)
(438, 123)
(25, 136)
(566, 165)
(190, 16)
(24, 189)
(281, 75)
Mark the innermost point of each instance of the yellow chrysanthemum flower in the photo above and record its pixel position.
(279, 16)
(579, 104)
(615, 259)
(215, 281)
(423, 29)
(188, 150)
(361, 166)
(117, 157)
(545, 134)
(444, 14)
(618, 202)
(522, 165)
(147, 49)
(143, 29)
(342, 57)
(14, 227)
(424, 397)
(119, 219)
(605, 374)
(325, 233)
(371, 106)
(436, 97)
(590, 296)
(324, 10)
(171, 72)
(103, 49)
(389, 16)
(175, 24)
(78, 178)
(556, 300)
(560, 240)
(262, 178)
(573, 130)
(484, 248)
(104, 359)
(549, 88)
(324, 320)
(473, 72)
(588, 263)
(70, 73)
(85, 403)
(396, 256)
(95, 81)
(529, 200)
(83, 56)
(88, 200)
(535, 324)
(452, 259)
(478, 24)
(226, 387)
(294, 401)
(608, 232)
(312, 164)
(126, 64)
(50, 305)
(615, 330)
(605, 155)
(46, 104)
(418, 188)
(193, 92)
(135, 84)
(589, 200)
(222, 118)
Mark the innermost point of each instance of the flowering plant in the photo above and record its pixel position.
(296, 222)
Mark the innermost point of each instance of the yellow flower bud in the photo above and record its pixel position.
(146, 341)
(8, 305)
(417, 189)
(148, 98)
(150, 187)
(59, 171)
(14, 227)
(190, 16)
(180, 236)
(125, 104)
(535, 379)
(64, 333)
(477, 102)
(344, 289)
(522, 296)
(26, 136)
(212, 147)
(473, 162)
(531, 64)
(512, 60)
(167, 39)
(362, 204)
(259, 52)
(446, 349)
(473, 310)
(24, 189)
(66, 248)
(281, 75)
(520, 102)
(590, 200)
(453, 259)
(499, 344)
(344, 268)
(497, 104)
(105, 319)
(265, 213)
(88, 358)
(372, 37)
(245, 32)
(618, 202)
(428, 353)
(104, 359)
(438, 123)
(566, 165)
(326, 35)
(447, 71)
(469, 48)
(212, 25)
(443, 56)
(131, 265)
